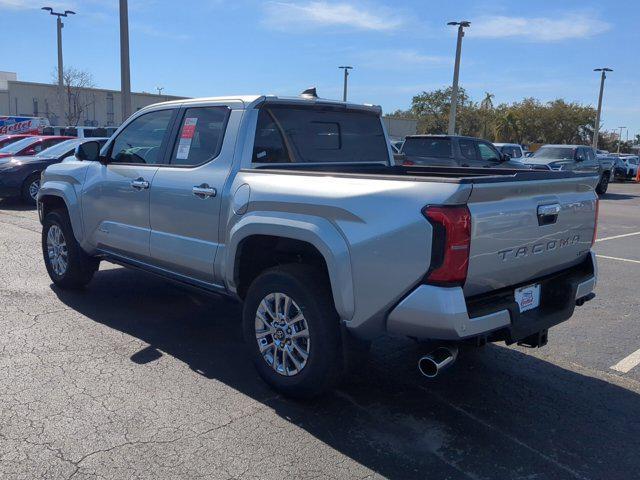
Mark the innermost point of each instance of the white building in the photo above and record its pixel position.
(91, 106)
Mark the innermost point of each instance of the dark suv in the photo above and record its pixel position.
(574, 158)
(453, 151)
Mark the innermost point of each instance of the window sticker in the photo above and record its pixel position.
(188, 131)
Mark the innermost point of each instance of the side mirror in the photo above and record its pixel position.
(579, 158)
(505, 157)
(89, 151)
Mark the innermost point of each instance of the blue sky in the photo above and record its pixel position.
(514, 49)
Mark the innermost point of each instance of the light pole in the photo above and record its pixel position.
(456, 75)
(596, 131)
(620, 138)
(60, 25)
(160, 89)
(125, 72)
(346, 69)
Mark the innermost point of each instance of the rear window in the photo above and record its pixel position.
(318, 135)
(427, 147)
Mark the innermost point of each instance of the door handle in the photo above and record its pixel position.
(140, 184)
(204, 191)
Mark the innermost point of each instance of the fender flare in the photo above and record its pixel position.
(319, 232)
(67, 193)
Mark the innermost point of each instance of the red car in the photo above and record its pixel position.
(7, 139)
(30, 146)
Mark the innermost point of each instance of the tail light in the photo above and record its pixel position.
(408, 163)
(595, 226)
(450, 247)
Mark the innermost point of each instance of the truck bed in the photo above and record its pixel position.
(418, 173)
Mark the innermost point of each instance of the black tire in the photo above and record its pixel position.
(603, 185)
(80, 266)
(25, 192)
(309, 288)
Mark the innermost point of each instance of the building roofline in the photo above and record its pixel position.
(96, 89)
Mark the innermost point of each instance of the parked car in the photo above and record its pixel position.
(30, 146)
(453, 151)
(572, 158)
(8, 139)
(294, 207)
(626, 167)
(79, 131)
(514, 150)
(20, 176)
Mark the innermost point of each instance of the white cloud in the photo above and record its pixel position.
(539, 29)
(289, 16)
(400, 59)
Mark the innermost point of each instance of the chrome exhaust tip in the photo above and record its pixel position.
(432, 364)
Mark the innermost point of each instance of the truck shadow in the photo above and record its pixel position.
(15, 205)
(499, 413)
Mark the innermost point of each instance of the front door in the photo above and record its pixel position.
(115, 196)
(186, 193)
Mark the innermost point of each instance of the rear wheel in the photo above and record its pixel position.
(67, 264)
(292, 330)
(603, 184)
(30, 189)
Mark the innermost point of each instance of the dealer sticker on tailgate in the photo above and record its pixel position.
(528, 297)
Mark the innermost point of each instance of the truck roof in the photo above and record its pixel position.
(251, 101)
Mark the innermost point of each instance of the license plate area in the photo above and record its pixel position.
(527, 297)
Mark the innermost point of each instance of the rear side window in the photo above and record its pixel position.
(318, 135)
(427, 147)
(468, 149)
(201, 134)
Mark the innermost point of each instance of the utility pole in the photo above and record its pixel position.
(125, 73)
(346, 69)
(456, 75)
(59, 26)
(596, 131)
(160, 89)
(620, 138)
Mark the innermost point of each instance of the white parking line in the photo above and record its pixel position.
(628, 363)
(617, 236)
(619, 259)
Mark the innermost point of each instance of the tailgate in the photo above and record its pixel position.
(524, 230)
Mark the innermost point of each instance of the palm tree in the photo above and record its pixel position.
(486, 105)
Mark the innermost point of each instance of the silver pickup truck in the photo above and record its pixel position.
(294, 207)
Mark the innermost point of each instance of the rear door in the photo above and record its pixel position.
(115, 196)
(528, 229)
(186, 193)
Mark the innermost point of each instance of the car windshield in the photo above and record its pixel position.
(427, 147)
(59, 149)
(559, 153)
(15, 147)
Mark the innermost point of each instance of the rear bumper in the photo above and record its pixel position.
(440, 313)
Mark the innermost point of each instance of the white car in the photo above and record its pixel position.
(514, 150)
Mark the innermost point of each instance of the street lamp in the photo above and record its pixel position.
(160, 89)
(60, 25)
(125, 71)
(620, 138)
(596, 131)
(346, 69)
(456, 74)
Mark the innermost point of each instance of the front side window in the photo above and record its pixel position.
(140, 142)
(488, 153)
(201, 134)
(318, 135)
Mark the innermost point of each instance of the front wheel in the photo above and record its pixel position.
(292, 330)
(67, 264)
(30, 189)
(603, 185)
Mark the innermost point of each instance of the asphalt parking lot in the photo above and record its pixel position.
(137, 378)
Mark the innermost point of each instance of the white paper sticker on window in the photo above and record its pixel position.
(188, 131)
